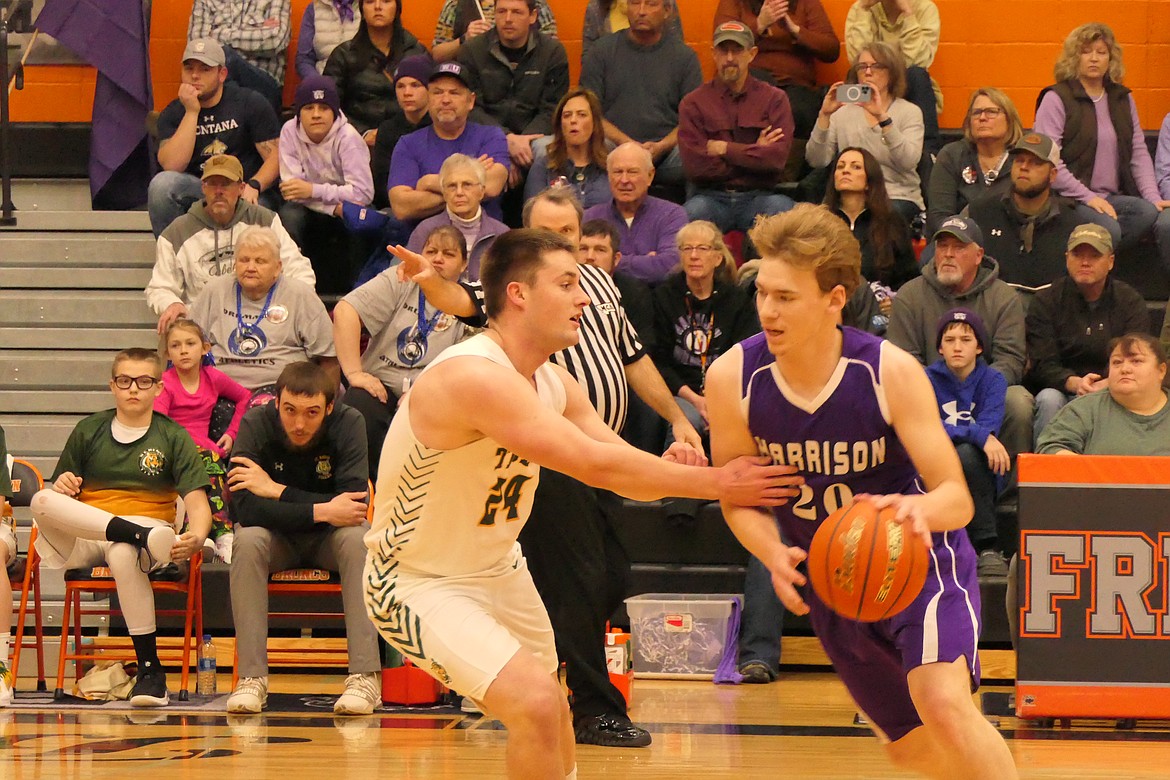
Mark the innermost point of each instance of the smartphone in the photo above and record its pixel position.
(854, 93)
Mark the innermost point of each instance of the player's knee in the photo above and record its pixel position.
(41, 504)
(540, 707)
(250, 543)
(122, 559)
(946, 715)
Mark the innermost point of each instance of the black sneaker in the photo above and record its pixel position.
(150, 690)
(610, 731)
(756, 673)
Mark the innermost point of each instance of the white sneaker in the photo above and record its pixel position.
(5, 685)
(363, 692)
(249, 697)
(223, 547)
(470, 707)
(159, 541)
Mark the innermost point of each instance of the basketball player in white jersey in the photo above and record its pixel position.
(857, 416)
(445, 580)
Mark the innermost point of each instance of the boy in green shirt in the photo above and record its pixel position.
(112, 502)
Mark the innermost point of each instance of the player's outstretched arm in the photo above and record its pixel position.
(914, 414)
(443, 294)
(506, 409)
(755, 528)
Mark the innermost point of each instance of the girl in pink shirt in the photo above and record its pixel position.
(190, 391)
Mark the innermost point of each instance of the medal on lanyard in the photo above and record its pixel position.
(249, 340)
(412, 343)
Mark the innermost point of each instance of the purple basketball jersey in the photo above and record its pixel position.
(841, 443)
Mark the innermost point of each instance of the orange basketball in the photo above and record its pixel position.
(865, 566)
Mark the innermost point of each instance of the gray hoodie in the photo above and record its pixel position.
(922, 301)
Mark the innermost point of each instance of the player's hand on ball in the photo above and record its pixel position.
(751, 481)
(681, 452)
(908, 510)
(786, 579)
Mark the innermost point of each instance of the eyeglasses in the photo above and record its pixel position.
(123, 382)
(865, 67)
(692, 248)
(990, 113)
(455, 186)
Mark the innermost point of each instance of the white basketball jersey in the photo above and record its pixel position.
(454, 512)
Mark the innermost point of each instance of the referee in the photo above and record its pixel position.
(577, 563)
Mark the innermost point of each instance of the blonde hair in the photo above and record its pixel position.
(1000, 99)
(725, 271)
(1070, 55)
(810, 236)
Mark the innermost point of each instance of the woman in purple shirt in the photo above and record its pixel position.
(1105, 164)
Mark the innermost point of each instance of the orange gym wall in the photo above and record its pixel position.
(1011, 44)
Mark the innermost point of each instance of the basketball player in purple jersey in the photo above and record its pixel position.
(856, 416)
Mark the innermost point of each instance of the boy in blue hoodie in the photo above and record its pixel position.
(971, 400)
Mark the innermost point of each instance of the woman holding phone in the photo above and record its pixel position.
(878, 120)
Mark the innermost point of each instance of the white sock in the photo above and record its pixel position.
(572, 775)
(5, 643)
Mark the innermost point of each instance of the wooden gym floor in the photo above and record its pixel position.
(799, 727)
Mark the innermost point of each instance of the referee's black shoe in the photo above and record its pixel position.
(610, 731)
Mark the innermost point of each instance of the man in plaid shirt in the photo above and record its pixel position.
(254, 34)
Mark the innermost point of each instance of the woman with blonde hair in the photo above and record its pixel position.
(699, 313)
(1105, 164)
(978, 164)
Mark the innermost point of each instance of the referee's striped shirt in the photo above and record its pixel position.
(608, 343)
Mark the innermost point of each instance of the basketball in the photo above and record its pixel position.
(865, 566)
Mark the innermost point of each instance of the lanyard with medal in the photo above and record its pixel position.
(248, 340)
(412, 347)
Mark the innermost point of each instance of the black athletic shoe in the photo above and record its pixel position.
(756, 673)
(150, 690)
(610, 731)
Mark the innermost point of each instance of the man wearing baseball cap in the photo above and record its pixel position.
(1027, 228)
(414, 167)
(734, 135)
(211, 117)
(1071, 323)
(962, 275)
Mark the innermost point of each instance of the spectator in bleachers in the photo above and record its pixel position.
(519, 76)
(255, 36)
(963, 275)
(300, 494)
(887, 126)
(463, 181)
(258, 320)
(734, 136)
(1028, 227)
(640, 76)
(1162, 159)
(792, 36)
(699, 313)
(970, 397)
(647, 225)
(211, 117)
(1105, 163)
(325, 25)
(324, 164)
(1071, 324)
(362, 66)
(1130, 418)
(603, 17)
(978, 164)
(406, 334)
(463, 20)
(112, 502)
(200, 245)
(575, 158)
(410, 90)
(911, 28)
(7, 557)
(857, 194)
(414, 168)
(191, 388)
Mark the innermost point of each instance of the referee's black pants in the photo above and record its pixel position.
(580, 570)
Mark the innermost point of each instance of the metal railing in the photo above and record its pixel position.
(14, 17)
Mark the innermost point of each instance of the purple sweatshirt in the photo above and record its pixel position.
(338, 167)
(1162, 159)
(653, 230)
(1050, 120)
